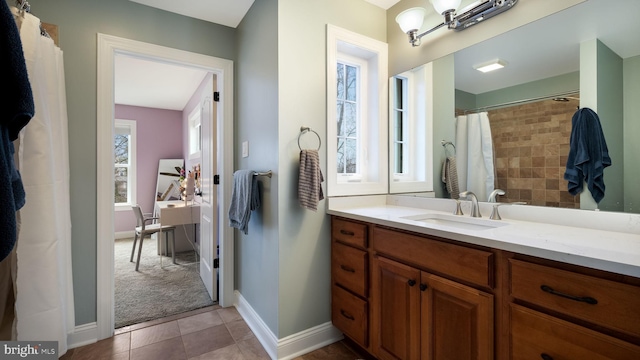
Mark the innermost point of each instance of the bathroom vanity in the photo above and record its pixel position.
(410, 280)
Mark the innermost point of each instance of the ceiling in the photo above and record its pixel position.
(156, 85)
(552, 45)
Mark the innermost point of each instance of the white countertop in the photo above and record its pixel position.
(601, 240)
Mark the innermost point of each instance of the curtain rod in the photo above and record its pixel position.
(523, 101)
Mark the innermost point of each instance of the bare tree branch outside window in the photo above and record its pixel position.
(347, 118)
(121, 168)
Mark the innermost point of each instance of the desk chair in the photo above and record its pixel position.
(143, 229)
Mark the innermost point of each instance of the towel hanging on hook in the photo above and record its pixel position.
(304, 129)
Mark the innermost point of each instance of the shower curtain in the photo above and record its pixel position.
(43, 283)
(474, 155)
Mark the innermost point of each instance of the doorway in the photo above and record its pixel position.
(108, 47)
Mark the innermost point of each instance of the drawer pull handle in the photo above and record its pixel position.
(411, 282)
(423, 287)
(347, 315)
(546, 357)
(585, 299)
(347, 232)
(347, 268)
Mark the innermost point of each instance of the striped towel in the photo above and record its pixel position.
(310, 180)
(450, 177)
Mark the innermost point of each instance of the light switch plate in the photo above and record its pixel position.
(245, 149)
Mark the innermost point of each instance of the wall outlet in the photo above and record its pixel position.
(245, 149)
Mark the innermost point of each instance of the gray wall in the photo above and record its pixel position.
(79, 21)
(256, 272)
(283, 264)
(631, 85)
(304, 251)
(610, 112)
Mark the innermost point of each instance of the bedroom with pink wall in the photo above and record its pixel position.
(159, 136)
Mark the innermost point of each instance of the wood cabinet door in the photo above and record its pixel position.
(396, 312)
(457, 321)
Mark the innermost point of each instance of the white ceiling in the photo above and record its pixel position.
(552, 45)
(552, 48)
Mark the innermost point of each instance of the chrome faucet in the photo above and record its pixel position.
(493, 197)
(475, 210)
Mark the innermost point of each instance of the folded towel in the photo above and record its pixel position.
(244, 199)
(588, 154)
(450, 177)
(310, 180)
(17, 109)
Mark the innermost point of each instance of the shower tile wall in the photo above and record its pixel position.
(531, 144)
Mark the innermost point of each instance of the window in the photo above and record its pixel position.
(349, 125)
(357, 155)
(124, 151)
(399, 125)
(195, 134)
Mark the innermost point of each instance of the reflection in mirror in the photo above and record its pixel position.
(410, 122)
(168, 187)
(545, 60)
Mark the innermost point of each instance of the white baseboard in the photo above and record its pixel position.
(83, 335)
(124, 234)
(290, 346)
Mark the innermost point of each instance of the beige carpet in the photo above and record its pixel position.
(154, 292)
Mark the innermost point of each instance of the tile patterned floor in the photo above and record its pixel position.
(210, 333)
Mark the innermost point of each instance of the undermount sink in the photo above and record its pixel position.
(456, 221)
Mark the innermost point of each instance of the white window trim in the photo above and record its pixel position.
(375, 155)
(420, 107)
(133, 173)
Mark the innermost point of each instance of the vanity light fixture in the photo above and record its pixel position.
(411, 20)
(491, 65)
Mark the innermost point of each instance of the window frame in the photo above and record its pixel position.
(419, 101)
(131, 125)
(373, 178)
(361, 113)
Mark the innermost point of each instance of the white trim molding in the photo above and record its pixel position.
(83, 335)
(291, 346)
(108, 47)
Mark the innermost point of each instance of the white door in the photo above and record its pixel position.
(209, 209)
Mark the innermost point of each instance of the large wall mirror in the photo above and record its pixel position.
(531, 100)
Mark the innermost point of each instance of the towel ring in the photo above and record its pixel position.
(445, 143)
(304, 129)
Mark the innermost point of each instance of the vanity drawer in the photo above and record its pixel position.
(538, 336)
(349, 232)
(350, 314)
(604, 302)
(460, 262)
(349, 267)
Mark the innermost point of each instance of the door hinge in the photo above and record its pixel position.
(216, 263)
(216, 179)
(216, 96)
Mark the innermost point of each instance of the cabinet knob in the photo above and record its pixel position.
(546, 357)
(411, 282)
(423, 287)
(585, 299)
